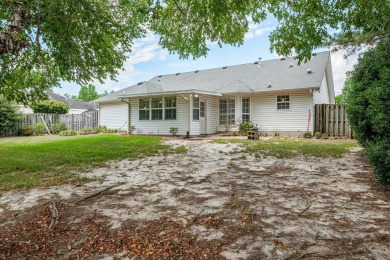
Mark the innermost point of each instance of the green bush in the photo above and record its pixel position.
(50, 107)
(367, 97)
(307, 134)
(317, 135)
(246, 126)
(40, 129)
(26, 130)
(8, 115)
(173, 131)
(67, 133)
(58, 127)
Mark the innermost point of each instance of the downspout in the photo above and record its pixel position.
(188, 114)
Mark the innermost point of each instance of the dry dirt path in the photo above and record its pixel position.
(214, 202)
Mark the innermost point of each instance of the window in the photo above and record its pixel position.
(157, 109)
(227, 111)
(195, 108)
(170, 108)
(144, 109)
(283, 102)
(201, 109)
(246, 116)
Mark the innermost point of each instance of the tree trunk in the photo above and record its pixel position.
(9, 42)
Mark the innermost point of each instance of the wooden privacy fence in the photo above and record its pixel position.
(86, 120)
(332, 119)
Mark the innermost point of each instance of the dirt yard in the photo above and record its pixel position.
(214, 202)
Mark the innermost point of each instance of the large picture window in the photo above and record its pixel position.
(170, 108)
(157, 108)
(227, 111)
(144, 106)
(283, 102)
(195, 109)
(246, 115)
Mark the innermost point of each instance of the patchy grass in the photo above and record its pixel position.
(50, 161)
(290, 147)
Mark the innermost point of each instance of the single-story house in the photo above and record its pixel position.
(276, 95)
(76, 107)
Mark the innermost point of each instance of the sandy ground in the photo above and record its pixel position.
(227, 204)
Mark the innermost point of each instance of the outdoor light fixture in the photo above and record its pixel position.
(196, 95)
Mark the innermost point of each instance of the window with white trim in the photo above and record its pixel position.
(195, 108)
(246, 115)
(170, 108)
(227, 111)
(157, 109)
(283, 102)
(144, 108)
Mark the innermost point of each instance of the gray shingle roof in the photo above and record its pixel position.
(72, 104)
(244, 78)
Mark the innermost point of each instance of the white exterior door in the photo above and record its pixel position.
(202, 117)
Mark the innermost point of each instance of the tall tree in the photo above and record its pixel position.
(88, 93)
(43, 42)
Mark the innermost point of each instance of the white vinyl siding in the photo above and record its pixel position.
(321, 96)
(268, 118)
(160, 127)
(114, 115)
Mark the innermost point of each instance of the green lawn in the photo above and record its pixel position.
(290, 147)
(49, 160)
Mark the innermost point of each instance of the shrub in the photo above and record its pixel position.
(318, 135)
(367, 93)
(40, 128)
(8, 115)
(67, 133)
(58, 127)
(26, 130)
(101, 129)
(174, 131)
(307, 134)
(246, 126)
(324, 136)
(50, 107)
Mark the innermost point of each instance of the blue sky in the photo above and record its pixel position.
(148, 59)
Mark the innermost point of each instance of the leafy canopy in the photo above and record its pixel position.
(8, 115)
(82, 40)
(88, 93)
(368, 106)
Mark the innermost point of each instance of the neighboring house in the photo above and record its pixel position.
(76, 107)
(276, 95)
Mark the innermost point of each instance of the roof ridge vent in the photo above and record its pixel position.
(196, 71)
(269, 85)
(308, 71)
(177, 74)
(140, 83)
(256, 62)
(282, 58)
(159, 76)
(290, 65)
(314, 54)
(224, 67)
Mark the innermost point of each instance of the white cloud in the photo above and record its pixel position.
(180, 64)
(144, 50)
(256, 30)
(341, 65)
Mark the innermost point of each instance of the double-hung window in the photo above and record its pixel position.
(170, 108)
(283, 102)
(157, 109)
(144, 108)
(246, 115)
(227, 111)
